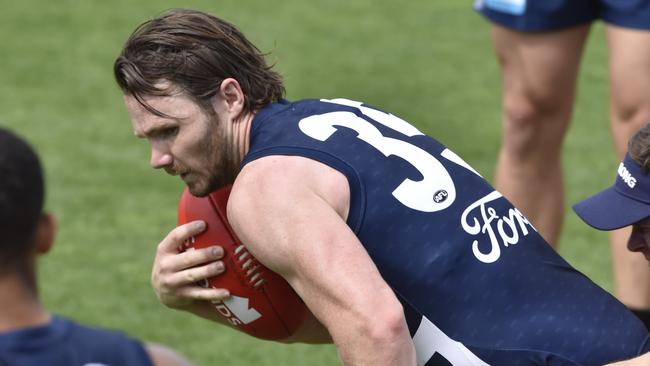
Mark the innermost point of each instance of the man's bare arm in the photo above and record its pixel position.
(291, 213)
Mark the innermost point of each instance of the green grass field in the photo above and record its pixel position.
(429, 62)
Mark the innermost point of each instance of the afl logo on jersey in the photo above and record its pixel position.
(440, 196)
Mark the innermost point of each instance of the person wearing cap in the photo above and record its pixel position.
(627, 201)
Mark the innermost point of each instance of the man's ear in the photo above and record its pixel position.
(231, 96)
(45, 233)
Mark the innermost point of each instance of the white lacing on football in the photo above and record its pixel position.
(249, 264)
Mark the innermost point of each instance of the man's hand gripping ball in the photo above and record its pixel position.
(261, 303)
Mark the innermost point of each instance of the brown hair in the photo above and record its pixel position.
(639, 147)
(195, 52)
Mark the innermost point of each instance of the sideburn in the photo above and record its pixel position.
(227, 159)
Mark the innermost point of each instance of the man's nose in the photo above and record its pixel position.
(160, 158)
(636, 242)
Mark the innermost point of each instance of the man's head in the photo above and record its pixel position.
(627, 202)
(188, 77)
(25, 230)
(191, 52)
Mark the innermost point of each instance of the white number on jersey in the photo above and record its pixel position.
(435, 192)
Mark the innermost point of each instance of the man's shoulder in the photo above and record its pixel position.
(93, 336)
(80, 330)
(284, 175)
(285, 178)
(67, 340)
(305, 107)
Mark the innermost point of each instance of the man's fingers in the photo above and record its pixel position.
(191, 258)
(200, 293)
(193, 275)
(179, 235)
(188, 259)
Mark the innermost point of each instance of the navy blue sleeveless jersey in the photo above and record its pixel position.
(65, 343)
(478, 284)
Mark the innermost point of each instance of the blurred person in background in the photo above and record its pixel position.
(626, 203)
(29, 334)
(539, 44)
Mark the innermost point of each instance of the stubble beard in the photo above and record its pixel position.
(223, 161)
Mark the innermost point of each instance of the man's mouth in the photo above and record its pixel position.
(171, 171)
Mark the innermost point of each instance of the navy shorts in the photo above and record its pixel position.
(547, 15)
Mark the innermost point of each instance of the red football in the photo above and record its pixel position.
(262, 303)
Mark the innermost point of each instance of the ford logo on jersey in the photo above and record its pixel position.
(622, 204)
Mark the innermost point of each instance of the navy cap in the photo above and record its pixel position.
(623, 204)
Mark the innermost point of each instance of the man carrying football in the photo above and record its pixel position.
(402, 251)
